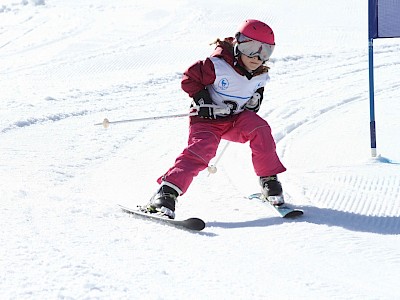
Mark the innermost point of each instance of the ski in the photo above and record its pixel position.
(283, 210)
(195, 224)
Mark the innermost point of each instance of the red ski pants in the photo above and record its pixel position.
(205, 136)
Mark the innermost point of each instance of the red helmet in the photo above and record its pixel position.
(254, 38)
(258, 31)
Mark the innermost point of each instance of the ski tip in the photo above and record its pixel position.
(294, 214)
(196, 224)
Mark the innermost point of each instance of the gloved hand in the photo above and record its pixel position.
(254, 103)
(205, 108)
(206, 112)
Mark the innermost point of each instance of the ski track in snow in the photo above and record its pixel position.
(62, 176)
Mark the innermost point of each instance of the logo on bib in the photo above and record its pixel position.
(223, 84)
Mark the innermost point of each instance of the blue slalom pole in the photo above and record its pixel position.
(371, 97)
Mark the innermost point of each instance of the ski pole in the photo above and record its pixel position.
(212, 169)
(217, 110)
(106, 122)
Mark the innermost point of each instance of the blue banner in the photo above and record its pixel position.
(372, 19)
(383, 18)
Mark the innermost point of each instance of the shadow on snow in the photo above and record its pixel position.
(326, 216)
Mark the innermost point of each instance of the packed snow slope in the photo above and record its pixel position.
(66, 65)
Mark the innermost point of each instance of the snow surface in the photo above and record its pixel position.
(66, 65)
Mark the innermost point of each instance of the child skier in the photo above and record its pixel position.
(227, 90)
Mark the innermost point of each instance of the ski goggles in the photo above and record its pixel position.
(253, 48)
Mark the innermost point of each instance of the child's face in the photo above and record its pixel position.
(251, 63)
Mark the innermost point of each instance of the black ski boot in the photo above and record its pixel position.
(163, 202)
(272, 189)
